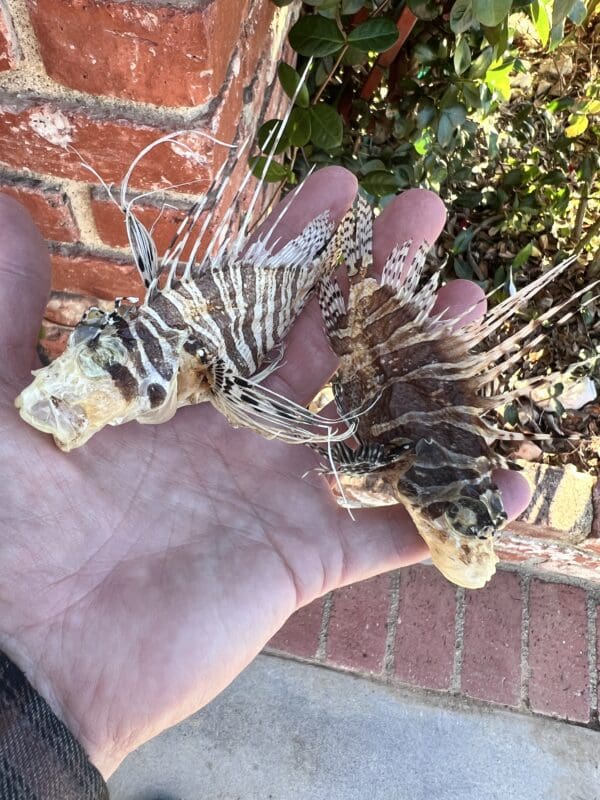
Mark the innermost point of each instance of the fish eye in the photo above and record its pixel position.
(94, 361)
(84, 333)
(470, 517)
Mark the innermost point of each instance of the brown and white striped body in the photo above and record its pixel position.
(420, 388)
(203, 336)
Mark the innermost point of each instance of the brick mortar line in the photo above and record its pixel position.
(459, 629)
(29, 84)
(321, 654)
(525, 671)
(54, 183)
(592, 661)
(442, 697)
(14, 45)
(82, 250)
(392, 624)
(531, 571)
(33, 73)
(28, 43)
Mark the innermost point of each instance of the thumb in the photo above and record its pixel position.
(24, 287)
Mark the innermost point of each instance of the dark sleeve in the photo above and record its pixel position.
(39, 758)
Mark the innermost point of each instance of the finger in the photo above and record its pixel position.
(515, 489)
(24, 287)
(417, 215)
(333, 189)
(461, 300)
(330, 189)
(383, 539)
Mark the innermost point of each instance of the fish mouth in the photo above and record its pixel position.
(66, 422)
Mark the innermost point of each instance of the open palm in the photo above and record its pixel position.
(141, 573)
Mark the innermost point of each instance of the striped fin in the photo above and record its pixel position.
(356, 235)
(143, 248)
(331, 303)
(245, 402)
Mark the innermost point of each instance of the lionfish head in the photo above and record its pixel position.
(90, 385)
(481, 516)
(461, 537)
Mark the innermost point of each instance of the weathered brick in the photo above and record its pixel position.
(547, 555)
(52, 341)
(426, 628)
(147, 52)
(491, 668)
(38, 137)
(558, 654)
(96, 276)
(300, 634)
(163, 222)
(67, 308)
(561, 506)
(49, 207)
(8, 45)
(357, 629)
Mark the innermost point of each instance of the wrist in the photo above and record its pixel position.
(65, 694)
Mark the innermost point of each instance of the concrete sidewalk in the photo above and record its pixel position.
(290, 731)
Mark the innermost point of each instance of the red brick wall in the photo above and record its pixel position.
(98, 80)
(529, 643)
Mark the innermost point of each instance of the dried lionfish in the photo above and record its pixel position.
(201, 334)
(422, 389)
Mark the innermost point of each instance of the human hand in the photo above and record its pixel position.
(140, 574)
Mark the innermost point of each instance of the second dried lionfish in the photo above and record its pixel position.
(201, 335)
(421, 389)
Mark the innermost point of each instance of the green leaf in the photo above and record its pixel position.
(462, 269)
(578, 124)
(327, 127)
(511, 414)
(462, 241)
(425, 54)
(425, 115)
(282, 3)
(491, 12)
(379, 183)
(482, 63)
(578, 12)
(541, 20)
(561, 10)
(470, 198)
(328, 8)
(298, 128)
(274, 174)
(267, 136)
(498, 80)
(424, 9)
(375, 35)
(462, 56)
(353, 57)
(423, 144)
(316, 36)
(372, 166)
(523, 256)
(445, 131)
(290, 80)
(461, 16)
(352, 6)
